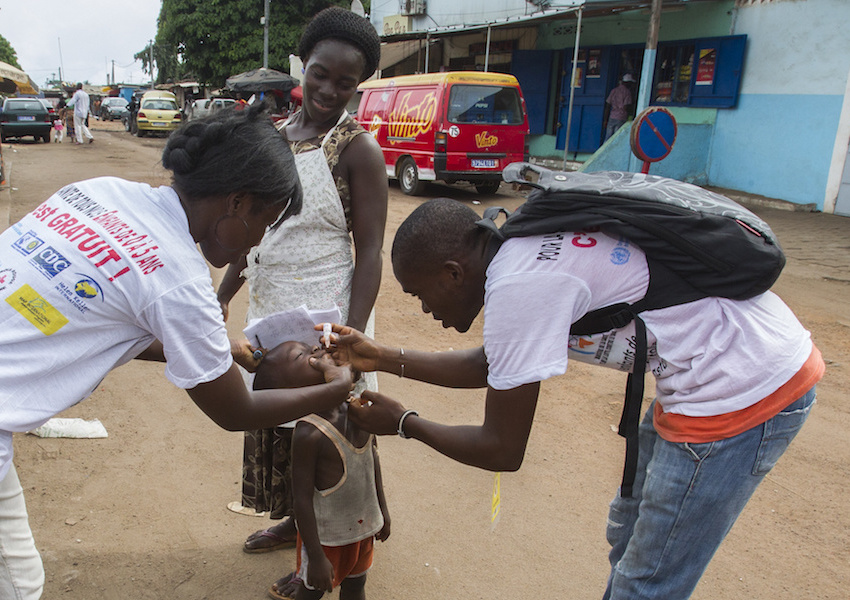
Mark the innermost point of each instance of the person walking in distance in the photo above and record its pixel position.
(82, 104)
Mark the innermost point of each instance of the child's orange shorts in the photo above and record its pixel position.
(352, 560)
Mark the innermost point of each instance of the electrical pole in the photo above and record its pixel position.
(266, 35)
(151, 62)
(60, 59)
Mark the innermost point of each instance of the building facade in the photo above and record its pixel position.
(759, 88)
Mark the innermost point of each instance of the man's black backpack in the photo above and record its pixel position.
(697, 244)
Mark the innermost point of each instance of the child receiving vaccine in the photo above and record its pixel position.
(339, 501)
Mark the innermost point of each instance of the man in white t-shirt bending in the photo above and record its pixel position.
(82, 104)
(734, 379)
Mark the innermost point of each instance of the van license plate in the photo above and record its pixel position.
(483, 163)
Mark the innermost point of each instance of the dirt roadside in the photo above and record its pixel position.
(142, 513)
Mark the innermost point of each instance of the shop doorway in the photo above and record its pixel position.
(598, 71)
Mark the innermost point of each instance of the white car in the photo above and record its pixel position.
(201, 108)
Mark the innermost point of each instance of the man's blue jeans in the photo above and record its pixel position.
(686, 498)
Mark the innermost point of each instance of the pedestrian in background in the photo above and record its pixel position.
(617, 102)
(82, 105)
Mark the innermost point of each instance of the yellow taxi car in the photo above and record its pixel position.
(158, 111)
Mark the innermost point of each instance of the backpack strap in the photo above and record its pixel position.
(488, 221)
(606, 319)
(630, 419)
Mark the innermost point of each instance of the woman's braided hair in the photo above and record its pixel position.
(234, 151)
(338, 23)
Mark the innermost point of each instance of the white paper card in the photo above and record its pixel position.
(296, 324)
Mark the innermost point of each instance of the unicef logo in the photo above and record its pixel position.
(620, 255)
(88, 288)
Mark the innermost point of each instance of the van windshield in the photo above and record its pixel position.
(485, 105)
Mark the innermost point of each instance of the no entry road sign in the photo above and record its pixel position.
(653, 135)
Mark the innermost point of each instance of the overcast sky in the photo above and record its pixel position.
(82, 37)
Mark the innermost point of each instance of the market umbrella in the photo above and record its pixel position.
(13, 79)
(261, 80)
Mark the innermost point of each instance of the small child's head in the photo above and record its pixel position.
(288, 366)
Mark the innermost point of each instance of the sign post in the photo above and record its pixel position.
(653, 134)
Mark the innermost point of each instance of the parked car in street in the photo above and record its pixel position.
(51, 108)
(113, 108)
(203, 107)
(21, 117)
(158, 111)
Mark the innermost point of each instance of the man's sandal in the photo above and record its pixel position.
(266, 541)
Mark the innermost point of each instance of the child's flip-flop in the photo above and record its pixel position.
(266, 541)
(292, 579)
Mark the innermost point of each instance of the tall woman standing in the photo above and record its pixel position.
(107, 270)
(309, 259)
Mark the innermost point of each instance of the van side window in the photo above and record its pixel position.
(485, 105)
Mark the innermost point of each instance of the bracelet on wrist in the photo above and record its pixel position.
(404, 416)
(401, 360)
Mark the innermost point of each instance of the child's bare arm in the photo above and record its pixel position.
(384, 533)
(306, 444)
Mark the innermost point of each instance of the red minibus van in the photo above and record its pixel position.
(453, 126)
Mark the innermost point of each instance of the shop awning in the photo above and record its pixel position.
(396, 52)
(563, 9)
(14, 80)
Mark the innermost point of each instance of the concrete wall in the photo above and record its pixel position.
(698, 20)
(443, 13)
(688, 161)
(781, 139)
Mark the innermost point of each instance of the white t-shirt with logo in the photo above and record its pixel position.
(709, 357)
(87, 281)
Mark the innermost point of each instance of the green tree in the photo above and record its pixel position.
(210, 40)
(7, 53)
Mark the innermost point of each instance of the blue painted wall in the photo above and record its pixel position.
(776, 145)
(688, 161)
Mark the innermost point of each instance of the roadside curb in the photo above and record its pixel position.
(754, 200)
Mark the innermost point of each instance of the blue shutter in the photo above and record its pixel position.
(723, 90)
(533, 70)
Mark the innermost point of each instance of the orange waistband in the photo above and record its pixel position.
(698, 430)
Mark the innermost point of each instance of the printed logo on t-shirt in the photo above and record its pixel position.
(84, 290)
(50, 262)
(88, 288)
(7, 278)
(614, 349)
(621, 254)
(28, 243)
(38, 311)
